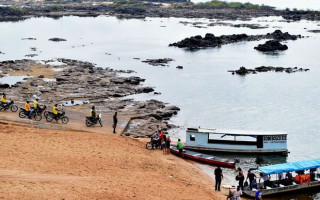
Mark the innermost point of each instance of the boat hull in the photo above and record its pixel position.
(242, 151)
(285, 189)
(207, 159)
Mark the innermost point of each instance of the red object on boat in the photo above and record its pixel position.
(204, 158)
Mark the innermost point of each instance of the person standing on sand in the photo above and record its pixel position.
(115, 121)
(180, 147)
(218, 175)
(168, 145)
(240, 178)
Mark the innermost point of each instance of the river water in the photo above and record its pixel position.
(207, 94)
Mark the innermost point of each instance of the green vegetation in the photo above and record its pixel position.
(224, 4)
(15, 9)
(55, 8)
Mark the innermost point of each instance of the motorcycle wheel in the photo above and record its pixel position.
(45, 114)
(37, 116)
(21, 114)
(65, 120)
(49, 118)
(100, 122)
(1, 108)
(149, 145)
(88, 123)
(14, 108)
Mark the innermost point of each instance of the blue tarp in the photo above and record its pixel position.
(290, 167)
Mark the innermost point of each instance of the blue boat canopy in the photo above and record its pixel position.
(290, 167)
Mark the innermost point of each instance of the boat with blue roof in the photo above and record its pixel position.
(304, 175)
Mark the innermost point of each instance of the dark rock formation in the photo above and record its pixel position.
(197, 42)
(271, 45)
(130, 80)
(179, 67)
(4, 85)
(29, 39)
(158, 62)
(31, 55)
(314, 31)
(57, 39)
(244, 71)
(279, 35)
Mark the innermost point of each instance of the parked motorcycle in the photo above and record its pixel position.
(61, 116)
(92, 122)
(153, 144)
(35, 115)
(11, 106)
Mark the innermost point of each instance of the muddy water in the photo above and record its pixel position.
(207, 94)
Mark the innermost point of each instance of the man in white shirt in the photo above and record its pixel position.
(236, 193)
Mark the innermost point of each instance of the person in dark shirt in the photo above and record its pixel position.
(251, 177)
(240, 178)
(218, 175)
(115, 121)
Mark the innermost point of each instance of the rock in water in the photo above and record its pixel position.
(4, 85)
(57, 39)
(271, 45)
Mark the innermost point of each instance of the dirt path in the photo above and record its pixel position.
(76, 121)
(56, 164)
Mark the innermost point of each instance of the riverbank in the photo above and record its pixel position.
(131, 9)
(38, 164)
(78, 85)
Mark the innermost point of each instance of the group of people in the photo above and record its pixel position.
(236, 193)
(55, 111)
(159, 139)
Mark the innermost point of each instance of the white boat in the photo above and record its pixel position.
(278, 189)
(236, 141)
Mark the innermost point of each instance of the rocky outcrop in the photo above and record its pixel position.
(102, 87)
(4, 85)
(314, 31)
(271, 45)
(279, 35)
(210, 40)
(57, 39)
(158, 62)
(244, 71)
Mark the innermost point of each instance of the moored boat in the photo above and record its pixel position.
(306, 181)
(236, 141)
(204, 158)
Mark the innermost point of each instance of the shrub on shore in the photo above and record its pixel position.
(224, 4)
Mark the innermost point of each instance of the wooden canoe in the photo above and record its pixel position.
(204, 158)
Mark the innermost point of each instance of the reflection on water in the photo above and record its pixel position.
(11, 80)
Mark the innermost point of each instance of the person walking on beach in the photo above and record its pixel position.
(115, 121)
(218, 175)
(180, 147)
(258, 195)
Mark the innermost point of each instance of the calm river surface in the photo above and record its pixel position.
(207, 94)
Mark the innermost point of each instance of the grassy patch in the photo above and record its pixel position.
(224, 4)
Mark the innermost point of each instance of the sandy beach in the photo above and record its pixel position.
(56, 164)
